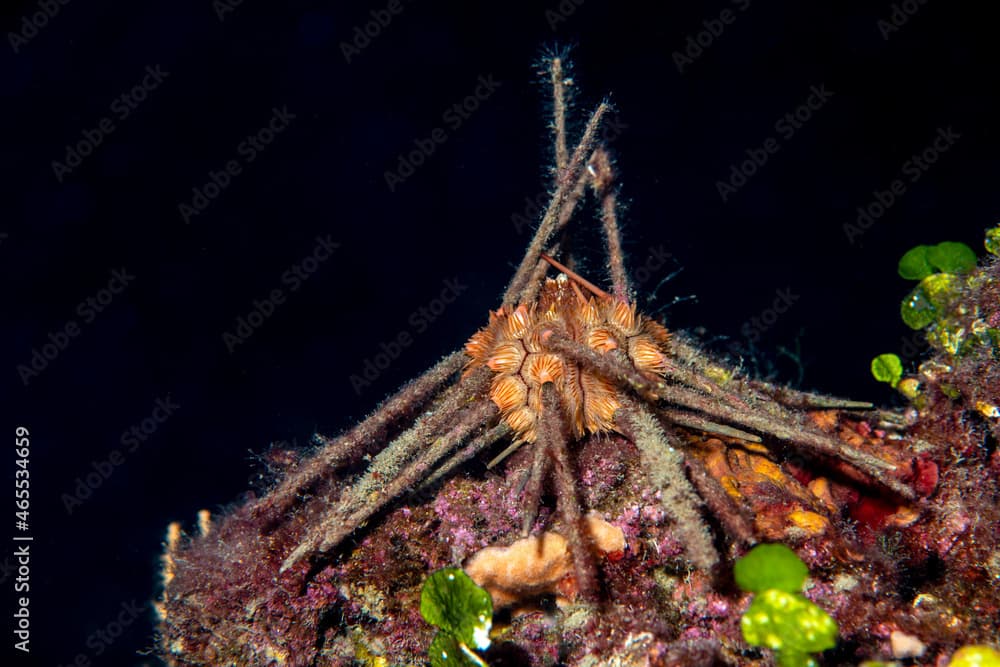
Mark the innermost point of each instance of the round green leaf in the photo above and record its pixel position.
(979, 655)
(770, 566)
(887, 368)
(952, 257)
(914, 264)
(917, 310)
(943, 289)
(788, 623)
(930, 299)
(992, 241)
(454, 603)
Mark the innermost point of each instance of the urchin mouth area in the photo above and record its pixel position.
(515, 347)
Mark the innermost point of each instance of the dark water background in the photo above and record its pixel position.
(891, 91)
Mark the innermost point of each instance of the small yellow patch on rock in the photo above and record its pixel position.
(811, 522)
(769, 469)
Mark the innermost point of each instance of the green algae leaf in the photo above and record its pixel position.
(917, 310)
(454, 603)
(788, 624)
(446, 651)
(914, 265)
(978, 655)
(952, 257)
(992, 241)
(929, 300)
(887, 368)
(769, 566)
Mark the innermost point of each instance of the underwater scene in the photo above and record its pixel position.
(572, 334)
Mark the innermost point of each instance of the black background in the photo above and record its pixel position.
(451, 219)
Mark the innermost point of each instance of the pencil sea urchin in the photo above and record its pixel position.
(560, 361)
(552, 366)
